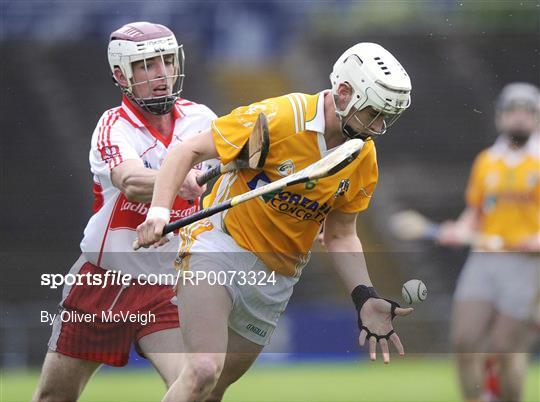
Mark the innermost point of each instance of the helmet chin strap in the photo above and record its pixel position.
(348, 132)
(157, 106)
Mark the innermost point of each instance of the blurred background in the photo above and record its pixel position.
(56, 84)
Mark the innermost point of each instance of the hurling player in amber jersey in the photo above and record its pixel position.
(99, 320)
(497, 292)
(271, 236)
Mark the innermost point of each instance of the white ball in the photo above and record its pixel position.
(414, 291)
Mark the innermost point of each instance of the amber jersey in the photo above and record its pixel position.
(281, 227)
(505, 187)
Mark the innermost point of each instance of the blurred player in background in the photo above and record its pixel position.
(129, 144)
(226, 327)
(496, 291)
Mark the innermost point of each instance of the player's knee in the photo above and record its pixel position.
(465, 343)
(509, 343)
(169, 376)
(512, 362)
(205, 372)
(169, 381)
(503, 347)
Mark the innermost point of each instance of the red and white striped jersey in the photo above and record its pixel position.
(123, 133)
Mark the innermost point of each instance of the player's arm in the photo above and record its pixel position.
(169, 180)
(136, 182)
(374, 314)
(345, 249)
(453, 233)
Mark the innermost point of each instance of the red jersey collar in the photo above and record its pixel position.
(136, 119)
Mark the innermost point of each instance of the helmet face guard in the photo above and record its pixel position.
(161, 104)
(389, 117)
(144, 41)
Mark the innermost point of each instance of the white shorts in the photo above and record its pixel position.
(511, 281)
(259, 296)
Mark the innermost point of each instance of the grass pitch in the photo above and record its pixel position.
(409, 379)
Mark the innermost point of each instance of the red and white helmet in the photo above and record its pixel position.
(377, 80)
(138, 41)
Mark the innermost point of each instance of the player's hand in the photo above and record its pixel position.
(150, 232)
(164, 240)
(451, 234)
(190, 190)
(376, 316)
(529, 245)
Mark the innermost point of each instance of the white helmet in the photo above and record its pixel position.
(138, 41)
(518, 94)
(377, 80)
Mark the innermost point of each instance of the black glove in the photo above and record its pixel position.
(360, 295)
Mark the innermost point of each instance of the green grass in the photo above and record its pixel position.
(412, 380)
